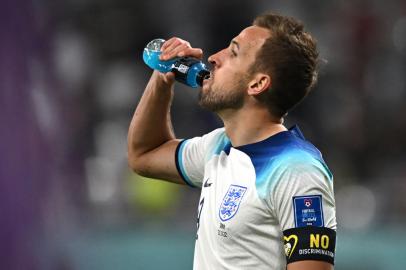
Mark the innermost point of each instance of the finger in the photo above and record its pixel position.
(175, 44)
(174, 48)
(177, 51)
(168, 43)
(193, 52)
(184, 50)
(169, 77)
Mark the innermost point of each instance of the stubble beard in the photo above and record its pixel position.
(218, 99)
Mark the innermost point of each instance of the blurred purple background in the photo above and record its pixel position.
(71, 74)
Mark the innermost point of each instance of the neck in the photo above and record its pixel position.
(249, 126)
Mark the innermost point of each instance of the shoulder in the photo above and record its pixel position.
(295, 164)
(295, 158)
(291, 155)
(216, 142)
(216, 136)
(299, 167)
(207, 139)
(207, 145)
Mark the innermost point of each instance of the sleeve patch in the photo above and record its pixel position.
(308, 211)
(310, 243)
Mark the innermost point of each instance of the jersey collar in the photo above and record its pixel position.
(274, 140)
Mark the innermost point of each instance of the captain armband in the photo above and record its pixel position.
(310, 243)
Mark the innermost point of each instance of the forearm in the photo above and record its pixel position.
(151, 125)
(151, 141)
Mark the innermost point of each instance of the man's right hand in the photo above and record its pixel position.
(176, 47)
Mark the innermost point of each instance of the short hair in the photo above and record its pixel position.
(289, 55)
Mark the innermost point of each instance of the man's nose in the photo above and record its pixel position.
(214, 60)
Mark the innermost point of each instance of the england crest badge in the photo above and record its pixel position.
(231, 202)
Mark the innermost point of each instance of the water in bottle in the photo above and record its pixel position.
(188, 70)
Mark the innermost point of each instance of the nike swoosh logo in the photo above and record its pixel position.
(206, 184)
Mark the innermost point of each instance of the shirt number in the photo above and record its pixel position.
(199, 212)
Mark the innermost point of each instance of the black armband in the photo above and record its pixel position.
(310, 243)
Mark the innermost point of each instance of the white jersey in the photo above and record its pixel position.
(253, 193)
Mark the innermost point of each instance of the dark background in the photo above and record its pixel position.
(71, 74)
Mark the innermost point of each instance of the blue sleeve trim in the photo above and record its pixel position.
(179, 164)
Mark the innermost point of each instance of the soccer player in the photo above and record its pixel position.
(266, 194)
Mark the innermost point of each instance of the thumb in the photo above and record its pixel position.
(169, 77)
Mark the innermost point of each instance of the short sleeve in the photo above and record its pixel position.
(304, 196)
(192, 154)
(303, 202)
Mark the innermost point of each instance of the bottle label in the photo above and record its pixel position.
(181, 68)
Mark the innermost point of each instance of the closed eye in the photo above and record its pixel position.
(234, 46)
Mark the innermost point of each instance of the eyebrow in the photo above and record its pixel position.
(235, 43)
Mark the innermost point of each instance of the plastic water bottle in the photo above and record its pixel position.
(188, 70)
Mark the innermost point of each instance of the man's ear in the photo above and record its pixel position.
(260, 83)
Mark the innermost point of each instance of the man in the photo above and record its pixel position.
(267, 195)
